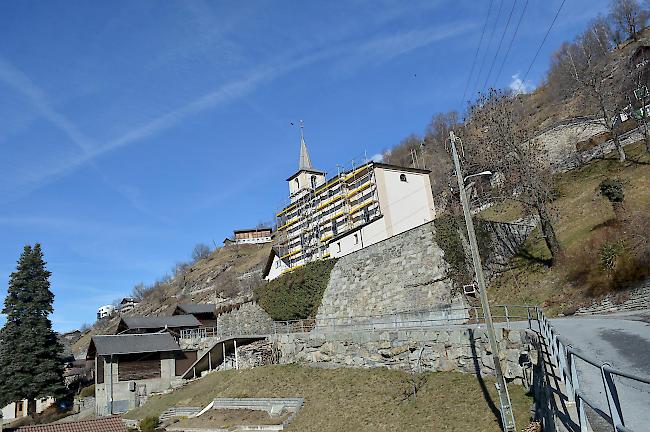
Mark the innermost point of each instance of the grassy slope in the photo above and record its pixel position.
(580, 211)
(353, 399)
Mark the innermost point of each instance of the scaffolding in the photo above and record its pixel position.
(321, 214)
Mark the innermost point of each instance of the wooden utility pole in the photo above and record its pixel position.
(507, 416)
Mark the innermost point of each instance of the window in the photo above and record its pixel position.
(334, 229)
(356, 239)
(313, 182)
(297, 183)
(402, 177)
(366, 214)
(278, 263)
(338, 244)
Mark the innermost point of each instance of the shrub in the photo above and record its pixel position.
(149, 424)
(87, 391)
(296, 295)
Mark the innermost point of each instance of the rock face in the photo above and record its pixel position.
(459, 349)
(405, 273)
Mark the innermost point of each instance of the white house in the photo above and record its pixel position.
(105, 311)
(16, 410)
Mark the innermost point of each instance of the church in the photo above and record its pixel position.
(331, 218)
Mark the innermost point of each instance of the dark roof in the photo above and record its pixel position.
(401, 168)
(308, 170)
(102, 424)
(252, 230)
(174, 321)
(197, 308)
(131, 344)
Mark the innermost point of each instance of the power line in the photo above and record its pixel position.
(496, 20)
(503, 35)
(478, 48)
(543, 40)
(496, 79)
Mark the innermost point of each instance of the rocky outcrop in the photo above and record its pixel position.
(458, 349)
(248, 319)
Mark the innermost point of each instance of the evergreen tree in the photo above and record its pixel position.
(30, 354)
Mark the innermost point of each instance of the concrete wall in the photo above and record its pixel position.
(122, 396)
(404, 273)
(454, 349)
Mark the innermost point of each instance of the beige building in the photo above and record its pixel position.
(16, 410)
(329, 218)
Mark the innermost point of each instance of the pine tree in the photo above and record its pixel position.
(30, 354)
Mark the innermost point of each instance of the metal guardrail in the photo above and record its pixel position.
(398, 321)
(565, 356)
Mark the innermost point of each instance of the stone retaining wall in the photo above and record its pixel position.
(405, 273)
(636, 298)
(249, 318)
(460, 349)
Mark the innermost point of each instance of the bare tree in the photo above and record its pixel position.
(499, 140)
(200, 251)
(636, 91)
(587, 61)
(628, 17)
(435, 148)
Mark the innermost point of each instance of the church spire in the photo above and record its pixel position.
(305, 160)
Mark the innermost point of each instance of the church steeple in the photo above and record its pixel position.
(305, 160)
(307, 177)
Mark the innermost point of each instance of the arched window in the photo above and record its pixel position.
(402, 177)
(313, 182)
(297, 183)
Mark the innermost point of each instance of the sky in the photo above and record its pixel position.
(132, 130)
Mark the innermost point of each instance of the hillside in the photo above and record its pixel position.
(355, 399)
(227, 276)
(585, 223)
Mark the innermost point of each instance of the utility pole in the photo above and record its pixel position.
(507, 416)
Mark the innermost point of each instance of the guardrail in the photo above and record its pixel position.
(565, 356)
(397, 321)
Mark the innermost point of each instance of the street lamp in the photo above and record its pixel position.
(482, 173)
(507, 416)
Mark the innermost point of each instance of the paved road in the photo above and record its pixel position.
(623, 340)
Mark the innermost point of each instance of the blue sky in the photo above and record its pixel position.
(132, 130)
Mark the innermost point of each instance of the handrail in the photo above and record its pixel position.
(454, 316)
(565, 356)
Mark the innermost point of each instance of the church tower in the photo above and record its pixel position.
(307, 177)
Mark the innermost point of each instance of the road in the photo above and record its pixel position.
(622, 340)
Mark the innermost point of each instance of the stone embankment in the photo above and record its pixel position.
(636, 298)
(405, 273)
(454, 349)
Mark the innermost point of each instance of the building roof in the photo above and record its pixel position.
(174, 321)
(252, 230)
(102, 424)
(131, 344)
(197, 308)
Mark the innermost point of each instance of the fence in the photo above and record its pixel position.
(397, 321)
(566, 358)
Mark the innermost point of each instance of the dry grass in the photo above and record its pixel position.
(581, 213)
(354, 399)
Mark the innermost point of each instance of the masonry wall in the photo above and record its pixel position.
(458, 349)
(249, 318)
(405, 273)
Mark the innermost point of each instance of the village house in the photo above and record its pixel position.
(253, 236)
(204, 313)
(129, 367)
(127, 304)
(105, 311)
(172, 324)
(104, 424)
(16, 410)
(331, 218)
